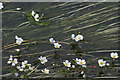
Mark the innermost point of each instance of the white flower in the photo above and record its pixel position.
(46, 71)
(19, 40)
(18, 9)
(33, 13)
(81, 62)
(73, 66)
(57, 45)
(12, 61)
(73, 36)
(78, 38)
(101, 62)
(25, 64)
(68, 69)
(83, 65)
(43, 60)
(20, 68)
(67, 63)
(16, 74)
(84, 76)
(18, 50)
(31, 68)
(1, 5)
(107, 64)
(114, 55)
(76, 60)
(36, 17)
(82, 72)
(11, 57)
(52, 40)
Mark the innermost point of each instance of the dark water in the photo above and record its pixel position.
(97, 22)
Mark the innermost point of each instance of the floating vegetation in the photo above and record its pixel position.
(35, 18)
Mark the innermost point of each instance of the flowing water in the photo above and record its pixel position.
(97, 22)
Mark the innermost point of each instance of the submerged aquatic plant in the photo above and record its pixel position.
(76, 40)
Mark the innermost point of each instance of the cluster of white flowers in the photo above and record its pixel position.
(1, 5)
(77, 38)
(81, 62)
(78, 61)
(56, 44)
(12, 61)
(43, 60)
(19, 40)
(52, 40)
(20, 68)
(35, 15)
(102, 63)
(24, 66)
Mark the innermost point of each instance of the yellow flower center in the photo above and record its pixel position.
(79, 38)
(41, 60)
(56, 46)
(66, 64)
(45, 71)
(26, 64)
(18, 42)
(81, 62)
(75, 60)
(101, 63)
(114, 56)
(12, 61)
